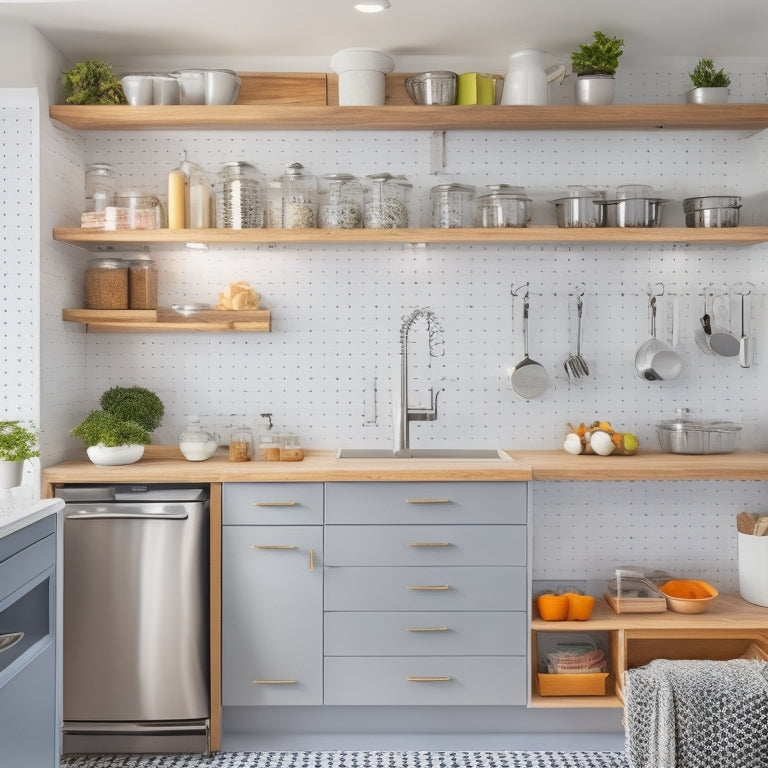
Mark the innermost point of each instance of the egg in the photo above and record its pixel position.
(601, 443)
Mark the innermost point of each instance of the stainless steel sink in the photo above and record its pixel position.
(462, 454)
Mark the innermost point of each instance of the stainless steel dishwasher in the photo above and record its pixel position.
(136, 619)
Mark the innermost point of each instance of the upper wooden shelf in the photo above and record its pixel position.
(396, 117)
(121, 239)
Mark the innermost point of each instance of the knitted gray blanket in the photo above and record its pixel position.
(697, 714)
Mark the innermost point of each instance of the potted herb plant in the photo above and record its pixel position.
(92, 82)
(710, 85)
(118, 432)
(595, 65)
(17, 444)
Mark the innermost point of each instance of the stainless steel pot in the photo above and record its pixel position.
(712, 211)
(579, 212)
(684, 435)
(633, 212)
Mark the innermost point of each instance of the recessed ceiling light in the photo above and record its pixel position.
(372, 6)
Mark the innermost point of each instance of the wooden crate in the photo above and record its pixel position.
(585, 684)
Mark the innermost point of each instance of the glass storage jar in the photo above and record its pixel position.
(106, 284)
(291, 449)
(196, 443)
(453, 205)
(340, 202)
(142, 284)
(502, 205)
(199, 195)
(269, 447)
(241, 444)
(238, 197)
(299, 190)
(99, 187)
(386, 201)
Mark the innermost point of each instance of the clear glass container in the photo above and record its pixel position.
(241, 444)
(99, 187)
(106, 284)
(199, 195)
(142, 284)
(238, 197)
(453, 205)
(502, 205)
(135, 209)
(386, 201)
(270, 445)
(299, 190)
(291, 449)
(197, 443)
(340, 202)
(273, 208)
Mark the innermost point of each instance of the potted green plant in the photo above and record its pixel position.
(17, 444)
(595, 65)
(92, 82)
(710, 85)
(118, 432)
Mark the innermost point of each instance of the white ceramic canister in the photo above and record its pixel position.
(753, 568)
(361, 74)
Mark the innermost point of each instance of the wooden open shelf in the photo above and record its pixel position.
(167, 320)
(115, 240)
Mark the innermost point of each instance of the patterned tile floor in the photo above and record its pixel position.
(355, 760)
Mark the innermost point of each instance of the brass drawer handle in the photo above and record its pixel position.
(431, 679)
(428, 501)
(273, 503)
(430, 544)
(429, 587)
(273, 546)
(274, 682)
(311, 558)
(427, 629)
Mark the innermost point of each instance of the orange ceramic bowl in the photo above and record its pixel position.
(579, 606)
(688, 595)
(552, 607)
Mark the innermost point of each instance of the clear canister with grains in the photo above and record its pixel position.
(142, 284)
(299, 190)
(453, 205)
(291, 449)
(241, 444)
(386, 201)
(106, 284)
(340, 202)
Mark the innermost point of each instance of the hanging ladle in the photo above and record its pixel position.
(529, 378)
(576, 366)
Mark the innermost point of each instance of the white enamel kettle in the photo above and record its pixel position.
(529, 74)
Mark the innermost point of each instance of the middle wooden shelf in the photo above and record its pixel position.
(164, 319)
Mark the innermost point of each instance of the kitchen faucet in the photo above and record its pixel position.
(403, 414)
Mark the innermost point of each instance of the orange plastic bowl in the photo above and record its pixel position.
(688, 595)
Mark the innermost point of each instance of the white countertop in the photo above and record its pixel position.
(16, 514)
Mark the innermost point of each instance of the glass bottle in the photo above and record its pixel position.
(299, 191)
(238, 197)
(340, 202)
(142, 284)
(241, 444)
(386, 201)
(99, 187)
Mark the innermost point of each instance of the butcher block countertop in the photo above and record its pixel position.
(166, 464)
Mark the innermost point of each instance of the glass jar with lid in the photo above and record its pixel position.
(196, 443)
(241, 444)
(99, 187)
(106, 284)
(340, 202)
(299, 190)
(142, 283)
(238, 197)
(386, 201)
(291, 449)
(453, 205)
(503, 205)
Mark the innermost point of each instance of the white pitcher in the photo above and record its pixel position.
(529, 75)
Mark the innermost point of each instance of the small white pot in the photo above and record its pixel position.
(595, 90)
(707, 95)
(361, 72)
(110, 456)
(11, 473)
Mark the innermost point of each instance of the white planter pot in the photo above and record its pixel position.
(11, 473)
(707, 96)
(114, 455)
(361, 71)
(595, 90)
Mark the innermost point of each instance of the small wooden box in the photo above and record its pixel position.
(584, 684)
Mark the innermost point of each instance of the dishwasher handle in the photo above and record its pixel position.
(132, 515)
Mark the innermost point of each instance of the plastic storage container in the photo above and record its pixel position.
(238, 197)
(299, 190)
(453, 205)
(386, 201)
(106, 284)
(340, 202)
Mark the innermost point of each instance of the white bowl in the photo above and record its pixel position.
(111, 456)
(222, 86)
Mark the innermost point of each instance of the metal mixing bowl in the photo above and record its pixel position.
(712, 211)
(435, 88)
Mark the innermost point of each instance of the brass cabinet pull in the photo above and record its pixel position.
(273, 546)
(428, 501)
(430, 679)
(273, 503)
(429, 587)
(311, 558)
(430, 544)
(274, 682)
(427, 629)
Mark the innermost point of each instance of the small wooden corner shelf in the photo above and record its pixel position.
(167, 320)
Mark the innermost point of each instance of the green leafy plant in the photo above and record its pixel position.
(110, 430)
(134, 404)
(705, 75)
(17, 442)
(600, 57)
(92, 82)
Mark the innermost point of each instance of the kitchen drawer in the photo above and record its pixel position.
(22, 567)
(272, 503)
(426, 502)
(491, 680)
(425, 544)
(432, 633)
(468, 588)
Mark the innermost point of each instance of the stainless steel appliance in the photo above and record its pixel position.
(136, 662)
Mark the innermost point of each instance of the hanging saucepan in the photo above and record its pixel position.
(529, 378)
(655, 360)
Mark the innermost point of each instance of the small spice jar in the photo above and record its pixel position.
(502, 205)
(291, 449)
(142, 284)
(106, 284)
(299, 190)
(241, 444)
(453, 205)
(340, 202)
(238, 197)
(386, 201)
